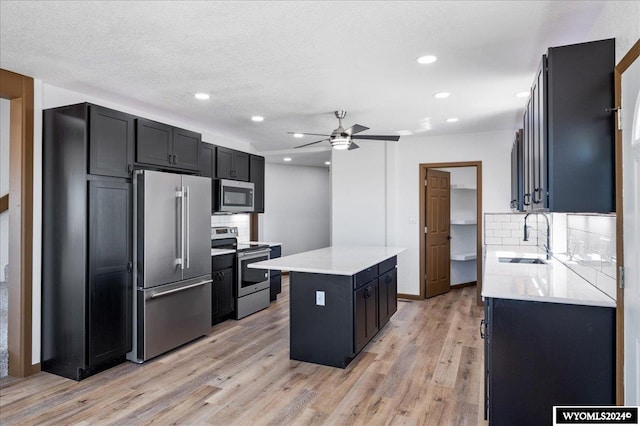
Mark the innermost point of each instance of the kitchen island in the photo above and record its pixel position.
(339, 298)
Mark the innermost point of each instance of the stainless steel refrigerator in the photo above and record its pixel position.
(172, 255)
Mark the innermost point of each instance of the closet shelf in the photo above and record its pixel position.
(463, 256)
(464, 222)
(460, 186)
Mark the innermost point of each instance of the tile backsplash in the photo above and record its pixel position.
(591, 249)
(507, 229)
(239, 220)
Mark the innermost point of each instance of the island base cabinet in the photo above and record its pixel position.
(541, 354)
(333, 317)
(322, 334)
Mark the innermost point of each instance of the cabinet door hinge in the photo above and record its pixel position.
(426, 230)
(425, 183)
(621, 275)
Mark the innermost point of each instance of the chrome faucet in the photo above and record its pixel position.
(547, 247)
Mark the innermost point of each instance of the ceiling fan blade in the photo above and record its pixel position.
(307, 144)
(308, 134)
(356, 128)
(377, 137)
(353, 145)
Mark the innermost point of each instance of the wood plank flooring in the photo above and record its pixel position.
(423, 368)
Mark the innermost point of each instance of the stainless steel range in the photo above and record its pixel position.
(252, 285)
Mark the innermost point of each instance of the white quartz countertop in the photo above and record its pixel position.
(551, 282)
(336, 260)
(218, 252)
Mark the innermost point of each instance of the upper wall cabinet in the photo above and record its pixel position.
(111, 140)
(256, 175)
(207, 160)
(163, 145)
(568, 137)
(516, 172)
(232, 164)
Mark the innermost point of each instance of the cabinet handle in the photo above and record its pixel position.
(169, 158)
(526, 201)
(367, 292)
(130, 168)
(129, 266)
(387, 279)
(538, 199)
(175, 158)
(482, 328)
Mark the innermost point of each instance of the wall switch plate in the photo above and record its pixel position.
(320, 298)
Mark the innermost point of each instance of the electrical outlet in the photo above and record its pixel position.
(320, 298)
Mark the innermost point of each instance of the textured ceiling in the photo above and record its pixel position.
(296, 62)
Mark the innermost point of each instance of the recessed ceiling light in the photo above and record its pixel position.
(404, 132)
(202, 96)
(257, 118)
(441, 95)
(327, 163)
(286, 159)
(298, 135)
(522, 94)
(428, 59)
(451, 120)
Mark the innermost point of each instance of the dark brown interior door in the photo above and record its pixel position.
(437, 236)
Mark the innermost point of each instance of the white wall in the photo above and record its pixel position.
(375, 190)
(619, 19)
(5, 106)
(297, 207)
(359, 195)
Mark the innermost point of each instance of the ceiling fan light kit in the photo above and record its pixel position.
(342, 139)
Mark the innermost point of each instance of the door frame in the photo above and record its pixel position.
(423, 267)
(628, 59)
(19, 90)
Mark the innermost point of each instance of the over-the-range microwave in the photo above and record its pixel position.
(232, 196)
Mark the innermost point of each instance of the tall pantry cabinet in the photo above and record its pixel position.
(86, 253)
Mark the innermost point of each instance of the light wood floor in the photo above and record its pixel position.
(423, 368)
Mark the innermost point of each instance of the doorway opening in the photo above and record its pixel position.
(450, 227)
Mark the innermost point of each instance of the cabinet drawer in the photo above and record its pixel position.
(365, 276)
(387, 265)
(221, 262)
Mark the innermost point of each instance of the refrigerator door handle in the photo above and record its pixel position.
(180, 195)
(176, 290)
(188, 230)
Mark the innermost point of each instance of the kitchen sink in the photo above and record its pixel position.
(527, 260)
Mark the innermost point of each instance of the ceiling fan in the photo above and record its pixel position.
(342, 138)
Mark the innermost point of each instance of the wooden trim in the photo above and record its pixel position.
(19, 90)
(253, 227)
(628, 59)
(423, 174)
(4, 203)
(410, 296)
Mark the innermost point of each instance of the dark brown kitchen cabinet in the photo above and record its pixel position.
(541, 354)
(387, 296)
(232, 164)
(275, 276)
(86, 249)
(207, 160)
(111, 141)
(365, 314)
(165, 146)
(222, 288)
(256, 175)
(568, 133)
(517, 172)
(109, 270)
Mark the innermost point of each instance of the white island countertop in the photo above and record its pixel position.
(551, 282)
(336, 260)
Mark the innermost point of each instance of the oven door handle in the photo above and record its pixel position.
(176, 290)
(252, 254)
